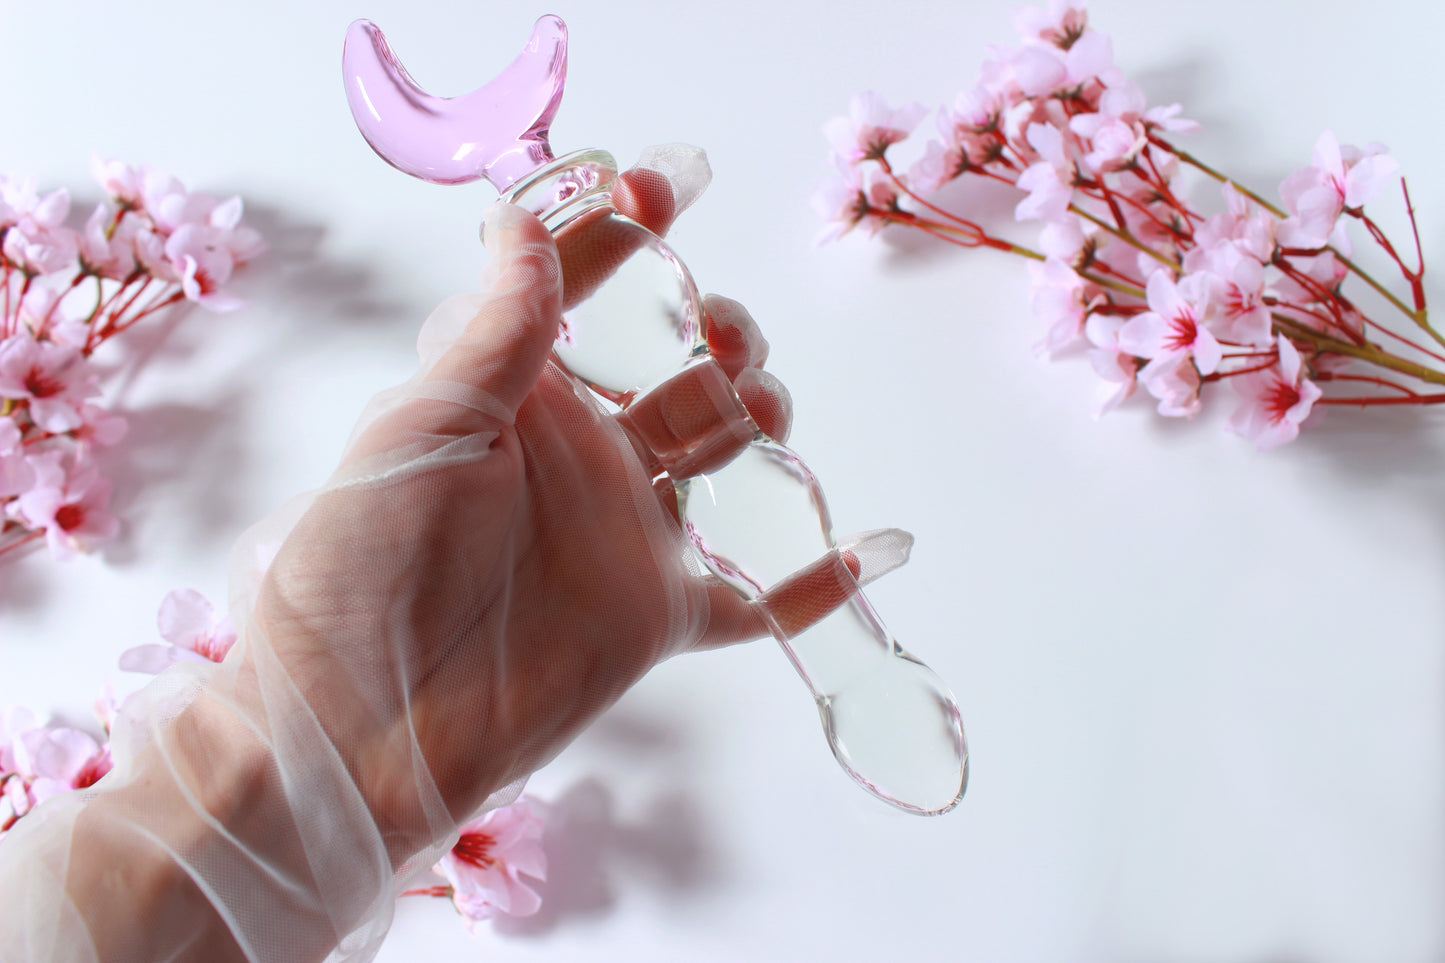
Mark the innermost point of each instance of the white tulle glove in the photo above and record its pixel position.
(487, 571)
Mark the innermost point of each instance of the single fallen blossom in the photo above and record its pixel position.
(484, 869)
(65, 291)
(1158, 292)
(39, 761)
(193, 632)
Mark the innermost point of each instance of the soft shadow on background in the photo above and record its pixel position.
(598, 860)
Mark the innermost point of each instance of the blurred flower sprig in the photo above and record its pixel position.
(147, 248)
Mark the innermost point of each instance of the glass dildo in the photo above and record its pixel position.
(754, 511)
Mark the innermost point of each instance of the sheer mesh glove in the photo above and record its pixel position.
(487, 571)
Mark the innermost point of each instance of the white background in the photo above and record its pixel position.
(1203, 687)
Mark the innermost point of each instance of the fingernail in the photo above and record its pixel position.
(685, 166)
(876, 553)
(499, 228)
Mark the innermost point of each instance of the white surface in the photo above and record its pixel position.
(1203, 687)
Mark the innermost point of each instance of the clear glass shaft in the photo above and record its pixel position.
(753, 509)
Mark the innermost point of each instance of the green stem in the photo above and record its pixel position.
(1124, 236)
(1195, 162)
(1364, 352)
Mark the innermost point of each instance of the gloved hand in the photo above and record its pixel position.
(488, 570)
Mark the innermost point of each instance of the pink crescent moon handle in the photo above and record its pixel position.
(497, 132)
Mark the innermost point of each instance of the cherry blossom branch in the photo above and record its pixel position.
(1159, 294)
(1366, 379)
(142, 263)
(1124, 236)
(1418, 315)
(1373, 355)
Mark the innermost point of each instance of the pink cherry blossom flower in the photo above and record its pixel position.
(52, 378)
(15, 721)
(17, 476)
(55, 760)
(1063, 23)
(493, 853)
(1244, 318)
(870, 128)
(1116, 366)
(168, 203)
(1124, 100)
(106, 251)
(71, 508)
(1060, 299)
(1173, 327)
(1050, 180)
(38, 242)
(193, 631)
(1112, 143)
(1340, 178)
(202, 260)
(107, 707)
(1174, 380)
(1118, 131)
(10, 435)
(39, 761)
(971, 138)
(854, 198)
(1068, 239)
(1275, 401)
(122, 182)
(100, 428)
(1242, 223)
(37, 311)
(1041, 70)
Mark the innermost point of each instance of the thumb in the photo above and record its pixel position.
(504, 346)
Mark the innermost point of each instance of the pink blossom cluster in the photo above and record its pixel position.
(1157, 293)
(66, 290)
(484, 870)
(39, 761)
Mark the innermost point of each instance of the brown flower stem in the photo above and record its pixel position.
(1364, 352)
(1366, 379)
(945, 232)
(1198, 164)
(1371, 402)
(1124, 236)
(1416, 316)
(19, 542)
(898, 183)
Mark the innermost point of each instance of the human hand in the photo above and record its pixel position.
(487, 571)
(491, 568)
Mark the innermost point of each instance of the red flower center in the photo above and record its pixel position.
(475, 848)
(42, 385)
(1279, 400)
(92, 771)
(69, 516)
(211, 648)
(1183, 332)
